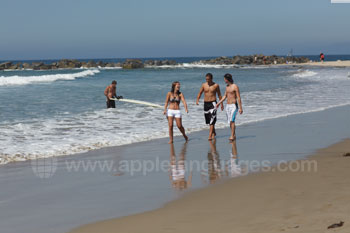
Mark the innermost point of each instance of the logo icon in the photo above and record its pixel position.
(44, 168)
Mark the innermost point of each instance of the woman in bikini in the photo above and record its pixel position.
(173, 99)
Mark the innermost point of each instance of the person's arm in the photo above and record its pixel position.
(222, 100)
(239, 100)
(184, 102)
(166, 103)
(220, 97)
(199, 94)
(106, 92)
(115, 93)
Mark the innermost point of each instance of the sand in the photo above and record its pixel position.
(327, 64)
(270, 202)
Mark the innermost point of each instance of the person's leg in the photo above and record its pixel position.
(181, 128)
(233, 131)
(212, 131)
(171, 134)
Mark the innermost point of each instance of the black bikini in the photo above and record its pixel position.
(173, 100)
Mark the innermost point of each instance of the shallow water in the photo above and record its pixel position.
(62, 112)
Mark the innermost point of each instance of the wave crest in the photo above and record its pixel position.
(24, 80)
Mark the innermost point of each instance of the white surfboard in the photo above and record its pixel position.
(138, 102)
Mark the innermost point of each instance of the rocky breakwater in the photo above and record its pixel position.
(253, 60)
(152, 63)
(73, 63)
(61, 64)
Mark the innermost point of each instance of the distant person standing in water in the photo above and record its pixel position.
(110, 93)
(173, 99)
(234, 104)
(322, 57)
(210, 90)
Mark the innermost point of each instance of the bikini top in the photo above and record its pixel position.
(173, 100)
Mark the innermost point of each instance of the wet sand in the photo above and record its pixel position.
(327, 64)
(274, 201)
(74, 197)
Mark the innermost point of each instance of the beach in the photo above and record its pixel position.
(63, 168)
(274, 201)
(110, 118)
(338, 63)
(73, 196)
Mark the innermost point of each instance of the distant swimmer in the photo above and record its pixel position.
(234, 103)
(173, 99)
(110, 93)
(210, 90)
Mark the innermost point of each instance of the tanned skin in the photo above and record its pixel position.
(210, 90)
(233, 96)
(175, 106)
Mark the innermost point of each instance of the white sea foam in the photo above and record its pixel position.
(305, 73)
(24, 80)
(74, 133)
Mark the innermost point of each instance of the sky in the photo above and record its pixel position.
(48, 29)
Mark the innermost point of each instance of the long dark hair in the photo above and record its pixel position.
(173, 85)
(228, 77)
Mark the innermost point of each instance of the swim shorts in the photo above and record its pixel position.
(210, 112)
(231, 112)
(110, 103)
(174, 113)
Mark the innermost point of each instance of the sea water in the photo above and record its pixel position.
(63, 112)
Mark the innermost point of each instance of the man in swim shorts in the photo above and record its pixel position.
(234, 104)
(210, 90)
(111, 92)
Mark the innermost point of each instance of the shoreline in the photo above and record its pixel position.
(254, 202)
(341, 64)
(111, 194)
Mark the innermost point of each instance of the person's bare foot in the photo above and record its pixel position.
(232, 138)
(186, 138)
(170, 142)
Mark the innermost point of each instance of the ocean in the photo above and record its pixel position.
(63, 112)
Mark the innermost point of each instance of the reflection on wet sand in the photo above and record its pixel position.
(215, 165)
(177, 169)
(232, 168)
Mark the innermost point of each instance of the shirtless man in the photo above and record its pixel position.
(111, 92)
(210, 90)
(234, 104)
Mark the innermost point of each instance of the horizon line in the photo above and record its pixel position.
(162, 57)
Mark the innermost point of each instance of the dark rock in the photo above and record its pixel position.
(149, 63)
(68, 64)
(45, 67)
(132, 64)
(257, 59)
(5, 65)
(37, 65)
(172, 62)
(101, 64)
(27, 66)
(16, 66)
(336, 225)
(91, 64)
(109, 64)
(158, 63)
